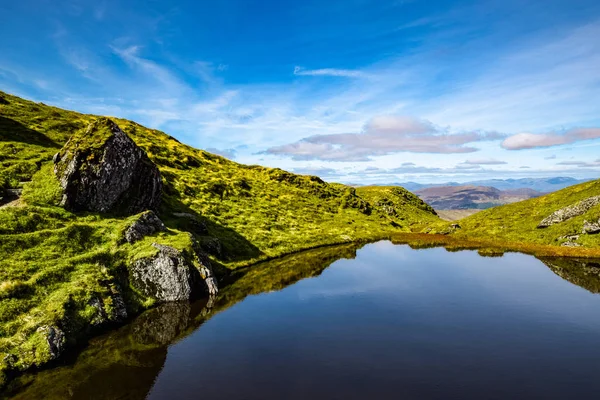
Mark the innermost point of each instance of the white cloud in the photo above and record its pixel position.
(380, 136)
(530, 140)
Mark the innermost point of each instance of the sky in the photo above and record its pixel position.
(354, 91)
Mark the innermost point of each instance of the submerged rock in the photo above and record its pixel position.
(170, 275)
(103, 170)
(569, 212)
(147, 224)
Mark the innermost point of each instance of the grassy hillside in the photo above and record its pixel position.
(255, 212)
(518, 222)
(54, 263)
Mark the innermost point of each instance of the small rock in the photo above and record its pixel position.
(591, 227)
(570, 244)
(147, 224)
(55, 338)
(455, 226)
(569, 237)
(118, 309)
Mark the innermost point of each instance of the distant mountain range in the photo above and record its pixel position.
(472, 197)
(543, 185)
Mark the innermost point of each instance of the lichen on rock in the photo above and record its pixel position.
(103, 170)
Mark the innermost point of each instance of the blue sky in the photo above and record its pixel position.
(354, 91)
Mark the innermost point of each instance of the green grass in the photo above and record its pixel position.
(53, 262)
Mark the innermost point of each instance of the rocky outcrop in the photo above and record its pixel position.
(172, 275)
(146, 224)
(103, 170)
(55, 339)
(569, 212)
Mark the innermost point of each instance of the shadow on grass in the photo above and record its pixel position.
(13, 131)
(221, 242)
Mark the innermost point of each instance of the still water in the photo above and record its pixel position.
(382, 322)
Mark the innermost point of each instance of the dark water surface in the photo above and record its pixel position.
(385, 322)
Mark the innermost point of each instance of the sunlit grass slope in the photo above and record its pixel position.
(518, 222)
(255, 212)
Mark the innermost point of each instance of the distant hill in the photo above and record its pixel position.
(543, 185)
(472, 197)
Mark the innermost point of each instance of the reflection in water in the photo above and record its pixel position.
(581, 272)
(126, 363)
(121, 364)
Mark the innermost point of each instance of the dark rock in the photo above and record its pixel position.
(170, 275)
(569, 212)
(147, 224)
(117, 307)
(455, 226)
(55, 338)
(591, 227)
(103, 170)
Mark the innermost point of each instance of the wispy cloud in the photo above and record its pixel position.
(484, 161)
(581, 164)
(346, 73)
(522, 141)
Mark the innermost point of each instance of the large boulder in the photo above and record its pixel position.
(103, 170)
(173, 275)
